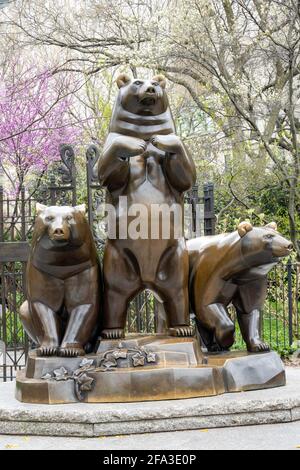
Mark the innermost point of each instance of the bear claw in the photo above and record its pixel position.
(181, 331)
(113, 333)
(72, 350)
(259, 346)
(47, 351)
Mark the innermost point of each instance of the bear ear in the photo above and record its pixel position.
(81, 208)
(243, 228)
(272, 226)
(39, 208)
(161, 79)
(123, 80)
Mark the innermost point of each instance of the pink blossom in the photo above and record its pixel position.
(34, 121)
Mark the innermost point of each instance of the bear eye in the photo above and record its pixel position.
(49, 218)
(69, 217)
(155, 83)
(138, 82)
(269, 236)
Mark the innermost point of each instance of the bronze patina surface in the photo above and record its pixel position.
(143, 368)
(233, 267)
(63, 283)
(145, 161)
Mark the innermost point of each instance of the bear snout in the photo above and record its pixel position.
(148, 98)
(60, 234)
(147, 94)
(282, 249)
(150, 90)
(289, 248)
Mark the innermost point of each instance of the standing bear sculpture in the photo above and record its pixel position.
(144, 162)
(233, 268)
(63, 282)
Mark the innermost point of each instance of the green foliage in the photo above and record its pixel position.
(264, 203)
(275, 331)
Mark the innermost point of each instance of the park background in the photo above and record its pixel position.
(233, 82)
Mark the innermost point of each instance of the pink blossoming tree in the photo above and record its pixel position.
(34, 121)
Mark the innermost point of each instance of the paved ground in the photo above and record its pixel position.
(271, 437)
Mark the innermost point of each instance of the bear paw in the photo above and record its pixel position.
(181, 330)
(47, 350)
(225, 336)
(71, 350)
(113, 333)
(257, 345)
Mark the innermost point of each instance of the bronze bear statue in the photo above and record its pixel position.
(63, 282)
(146, 163)
(233, 268)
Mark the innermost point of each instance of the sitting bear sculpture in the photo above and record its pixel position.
(233, 268)
(63, 278)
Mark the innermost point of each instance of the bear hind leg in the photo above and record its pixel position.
(115, 312)
(215, 318)
(177, 311)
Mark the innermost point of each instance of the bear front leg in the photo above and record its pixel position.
(249, 326)
(179, 166)
(80, 325)
(46, 326)
(26, 319)
(248, 303)
(113, 166)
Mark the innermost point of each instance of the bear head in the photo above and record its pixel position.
(61, 225)
(143, 97)
(263, 245)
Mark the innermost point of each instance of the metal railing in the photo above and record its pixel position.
(280, 317)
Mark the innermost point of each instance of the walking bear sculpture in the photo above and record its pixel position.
(233, 268)
(146, 163)
(63, 282)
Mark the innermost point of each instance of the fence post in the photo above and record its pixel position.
(194, 201)
(2, 298)
(92, 157)
(23, 214)
(1, 214)
(3, 360)
(52, 190)
(290, 301)
(68, 170)
(209, 209)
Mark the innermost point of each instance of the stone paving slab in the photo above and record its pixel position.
(278, 405)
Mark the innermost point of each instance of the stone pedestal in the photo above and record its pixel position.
(145, 368)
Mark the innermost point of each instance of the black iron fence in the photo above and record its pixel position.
(280, 319)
